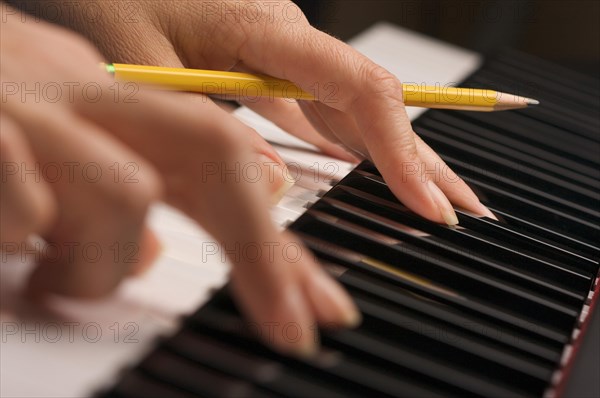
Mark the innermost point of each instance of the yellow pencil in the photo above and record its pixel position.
(246, 85)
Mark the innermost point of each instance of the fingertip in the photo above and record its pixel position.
(279, 309)
(443, 204)
(150, 250)
(277, 177)
(281, 191)
(424, 198)
(298, 335)
(331, 304)
(485, 212)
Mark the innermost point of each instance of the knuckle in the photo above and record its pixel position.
(375, 83)
(408, 149)
(133, 196)
(382, 81)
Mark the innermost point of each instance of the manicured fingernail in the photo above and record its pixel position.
(348, 314)
(288, 182)
(446, 209)
(307, 349)
(353, 319)
(485, 212)
(152, 248)
(306, 344)
(278, 176)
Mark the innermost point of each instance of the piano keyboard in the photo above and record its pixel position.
(488, 308)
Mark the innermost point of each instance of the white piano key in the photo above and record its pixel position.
(298, 192)
(298, 205)
(280, 219)
(282, 213)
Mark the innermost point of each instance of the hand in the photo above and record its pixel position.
(360, 105)
(61, 114)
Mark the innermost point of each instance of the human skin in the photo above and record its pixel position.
(171, 136)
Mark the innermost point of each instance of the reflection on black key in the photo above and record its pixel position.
(217, 355)
(175, 370)
(138, 385)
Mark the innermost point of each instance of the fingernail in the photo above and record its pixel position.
(306, 346)
(485, 212)
(278, 176)
(446, 209)
(307, 349)
(353, 319)
(152, 249)
(288, 182)
(349, 314)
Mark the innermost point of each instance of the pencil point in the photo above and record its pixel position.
(531, 101)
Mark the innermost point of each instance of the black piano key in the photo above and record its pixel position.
(383, 350)
(308, 378)
(534, 211)
(503, 199)
(574, 99)
(485, 312)
(554, 238)
(437, 338)
(550, 71)
(511, 150)
(173, 369)
(446, 273)
(504, 334)
(494, 230)
(578, 96)
(217, 355)
(529, 210)
(557, 110)
(514, 177)
(571, 277)
(138, 385)
(513, 124)
(557, 189)
(449, 250)
(463, 130)
(463, 352)
(527, 242)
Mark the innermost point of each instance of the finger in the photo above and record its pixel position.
(312, 114)
(327, 297)
(95, 240)
(233, 211)
(300, 122)
(344, 127)
(165, 55)
(289, 117)
(201, 158)
(368, 92)
(26, 202)
(271, 295)
(450, 183)
(150, 250)
(257, 142)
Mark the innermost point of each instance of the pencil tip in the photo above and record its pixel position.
(531, 101)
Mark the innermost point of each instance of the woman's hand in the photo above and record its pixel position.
(83, 157)
(360, 104)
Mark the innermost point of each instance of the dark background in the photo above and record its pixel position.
(566, 32)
